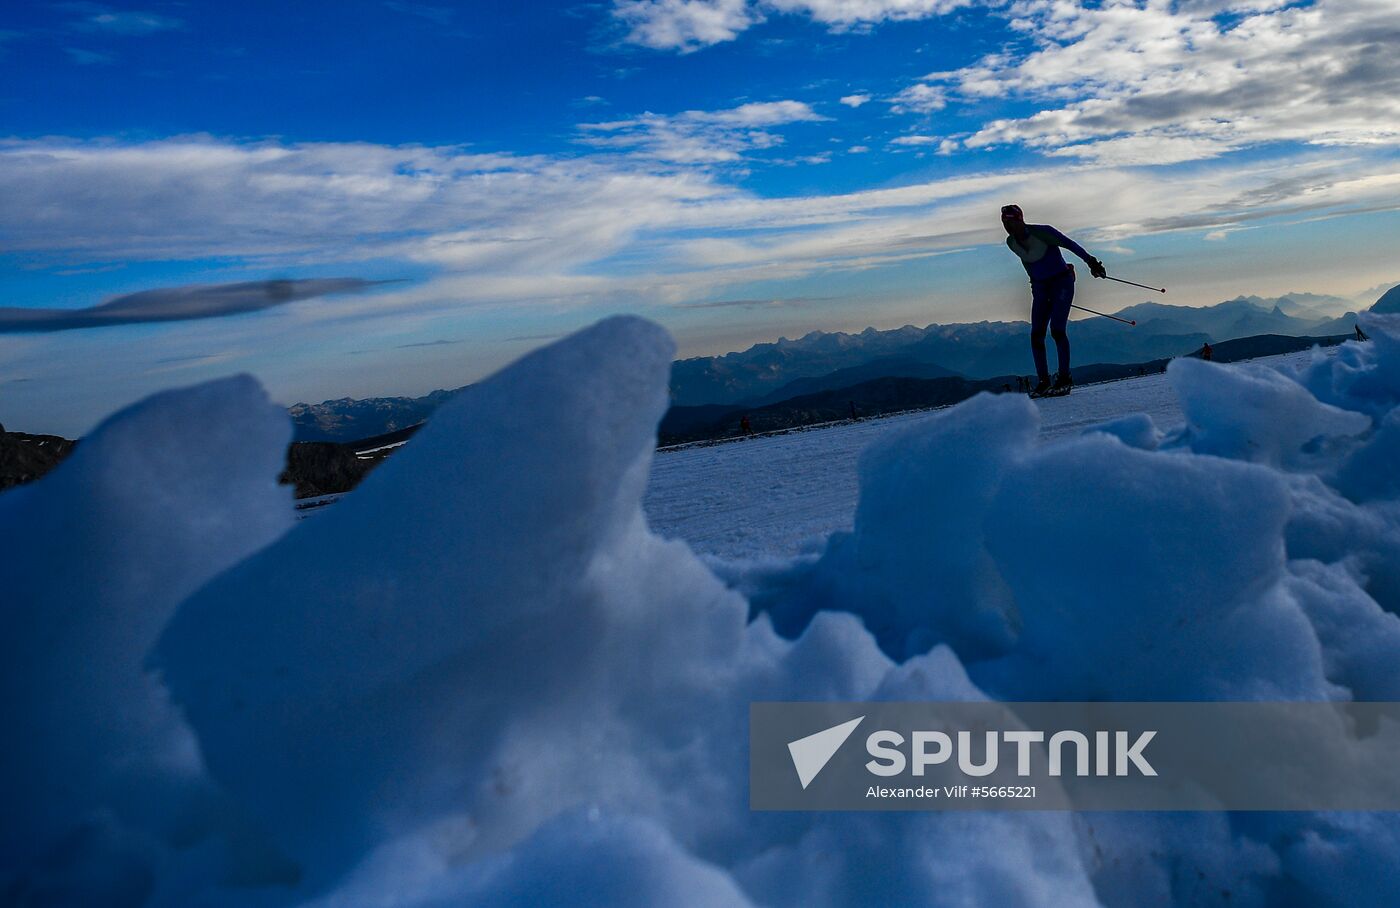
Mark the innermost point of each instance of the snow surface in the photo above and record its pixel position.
(782, 494)
(483, 679)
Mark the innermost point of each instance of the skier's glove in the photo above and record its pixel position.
(1097, 269)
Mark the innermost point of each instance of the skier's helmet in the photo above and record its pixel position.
(1012, 213)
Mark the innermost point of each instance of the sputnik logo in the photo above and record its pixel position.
(811, 754)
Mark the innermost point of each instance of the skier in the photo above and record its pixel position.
(1206, 351)
(1052, 290)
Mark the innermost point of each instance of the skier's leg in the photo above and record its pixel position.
(1040, 317)
(1063, 296)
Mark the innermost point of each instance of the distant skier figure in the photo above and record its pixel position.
(1206, 351)
(744, 425)
(1052, 290)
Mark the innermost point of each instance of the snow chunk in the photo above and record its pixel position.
(486, 636)
(1369, 473)
(1136, 430)
(1187, 859)
(1341, 859)
(1364, 377)
(916, 568)
(1359, 639)
(160, 497)
(1326, 527)
(1251, 412)
(1146, 563)
(317, 671)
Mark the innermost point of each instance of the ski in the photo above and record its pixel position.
(1047, 389)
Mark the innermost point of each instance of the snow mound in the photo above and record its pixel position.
(1251, 412)
(1141, 562)
(158, 499)
(916, 547)
(1135, 430)
(481, 679)
(486, 635)
(1252, 554)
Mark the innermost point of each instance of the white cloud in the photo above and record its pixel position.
(846, 13)
(764, 113)
(858, 149)
(855, 100)
(914, 140)
(689, 25)
(197, 197)
(1144, 149)
(920, 97)
(684, 25)
(699, 136)
(1147, 81)
(602, 229)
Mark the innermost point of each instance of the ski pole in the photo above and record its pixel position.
(1106, 315)
(1135, 284)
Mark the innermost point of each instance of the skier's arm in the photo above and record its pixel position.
(1096, 267)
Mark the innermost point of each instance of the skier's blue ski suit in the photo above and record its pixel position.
(1052, 289)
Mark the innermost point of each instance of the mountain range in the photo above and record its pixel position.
(898, 393)
(349, 419)
(769, 373)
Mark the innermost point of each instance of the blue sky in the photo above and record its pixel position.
(736, 169)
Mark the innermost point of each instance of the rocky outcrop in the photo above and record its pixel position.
(24, 458)
(324, 468)
(314, 468)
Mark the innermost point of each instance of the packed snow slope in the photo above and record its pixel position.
(484, 679)
(778, 494)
